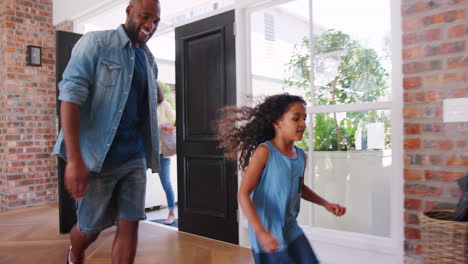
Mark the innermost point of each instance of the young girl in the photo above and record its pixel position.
(273, 183)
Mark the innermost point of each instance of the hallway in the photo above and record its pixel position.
(30, 235)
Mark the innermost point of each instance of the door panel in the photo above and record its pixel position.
(204, 51)
(65, 41)
(205, 82)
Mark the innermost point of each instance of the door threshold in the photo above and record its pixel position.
(161, 225)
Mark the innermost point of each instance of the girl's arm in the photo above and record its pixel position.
(249, 182)
(311, 196)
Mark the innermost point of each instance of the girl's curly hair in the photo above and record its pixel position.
(243, 129)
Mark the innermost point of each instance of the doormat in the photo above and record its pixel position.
(160, 221)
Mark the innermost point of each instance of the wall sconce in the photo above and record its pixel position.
(33, 56)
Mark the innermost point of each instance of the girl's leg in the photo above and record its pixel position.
(165, 177)
(272, 258)
(301, 251)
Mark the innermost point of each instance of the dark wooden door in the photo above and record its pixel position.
(205, 82)
(67, 214)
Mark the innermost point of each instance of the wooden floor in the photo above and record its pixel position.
(31, 236)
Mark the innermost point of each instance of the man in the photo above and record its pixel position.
(109, 130)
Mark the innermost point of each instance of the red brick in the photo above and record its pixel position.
(413, 204)
(423, 190)
(457, 62)
(444, 17)
(412, 143)
(409, 97)
(434, 111)
(411, 24)
(461, 144)
(431, 159)
(411, 112)
(411, 53)
(457, 31)
(413, 128)
(430, 144)
(425, 66)
(417, 248)
(410, 38)
(433, 35)
(412, 233)
(445, 48)
(412, 82)
(429, 205)
(457, 160)
(433, 80)
(431, 175)
(433, 96)
(412, 174)
(445, 145)
(456, 93)
(416, 7)
(411, 218)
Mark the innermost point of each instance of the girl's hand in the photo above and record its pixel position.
(267, 241)
(335, 209)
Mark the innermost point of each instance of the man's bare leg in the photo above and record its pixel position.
(125, 242)
(80, 242)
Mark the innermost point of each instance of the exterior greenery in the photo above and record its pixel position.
(345, 72)
(168, 93)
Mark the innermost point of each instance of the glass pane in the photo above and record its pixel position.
(272, 45)
(173, 13)
(351, 53)
(355, 173)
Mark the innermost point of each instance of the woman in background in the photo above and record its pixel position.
(166, 121)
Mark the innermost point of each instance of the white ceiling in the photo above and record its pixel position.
(110, 11)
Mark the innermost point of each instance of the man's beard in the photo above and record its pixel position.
(132, 32)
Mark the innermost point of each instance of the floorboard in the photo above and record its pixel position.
(31, 235)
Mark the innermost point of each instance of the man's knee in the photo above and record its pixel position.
(127, 226)
(88, 237)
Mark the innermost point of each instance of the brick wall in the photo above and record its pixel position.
(66, 25)
(435, 67)
(27, 120)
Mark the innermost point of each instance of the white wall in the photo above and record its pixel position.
(77, 9)
(71, 10)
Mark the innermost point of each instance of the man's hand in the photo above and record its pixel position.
(335, 209)
(76, 178)
(267, 241)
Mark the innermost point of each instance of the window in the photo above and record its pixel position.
(269, 21)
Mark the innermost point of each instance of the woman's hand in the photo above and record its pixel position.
(267, 241)
(335, 209)
(167, 127)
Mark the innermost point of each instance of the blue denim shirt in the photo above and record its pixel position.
(98, 78)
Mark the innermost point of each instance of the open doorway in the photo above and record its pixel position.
(161, 190)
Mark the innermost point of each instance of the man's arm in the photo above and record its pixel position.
(76, 173)
(78, 77)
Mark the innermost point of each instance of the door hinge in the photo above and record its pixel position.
(234, 28)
